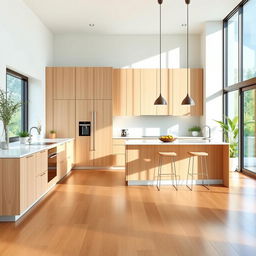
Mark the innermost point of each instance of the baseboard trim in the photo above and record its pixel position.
(170, 182)
(86, 168)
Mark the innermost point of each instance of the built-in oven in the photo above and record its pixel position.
(52, 163)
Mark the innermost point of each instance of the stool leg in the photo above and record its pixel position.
(159, 173)
(202, 169)
(189, 162)
(206, 172)
(193, 160)
(174, 172)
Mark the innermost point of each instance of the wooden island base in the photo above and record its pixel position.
(142, 163)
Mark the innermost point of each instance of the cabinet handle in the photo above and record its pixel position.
(92, 132)
(95, 127)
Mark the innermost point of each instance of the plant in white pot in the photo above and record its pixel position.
(24, 135)
(230, 130)
(8, 108)
(195, 130)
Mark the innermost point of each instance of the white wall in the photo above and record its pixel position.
(125, 51)
(26, 46)
(212, 59)
(154, 125)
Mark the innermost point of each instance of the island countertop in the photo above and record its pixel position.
(17, 150)
(176, 142)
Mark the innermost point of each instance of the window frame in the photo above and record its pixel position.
(24, 97)
(241, 86)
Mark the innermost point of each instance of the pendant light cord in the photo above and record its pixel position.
(187, 44)
(160, 47)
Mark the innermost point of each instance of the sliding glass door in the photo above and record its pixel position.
(249, 128)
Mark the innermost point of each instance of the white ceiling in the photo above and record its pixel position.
(127, 16)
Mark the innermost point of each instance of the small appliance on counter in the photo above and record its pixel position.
(124, 133)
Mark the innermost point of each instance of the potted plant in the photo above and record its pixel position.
(8, 108)
(195, 130)
(52, 134)
(24, 135)
(230, 130)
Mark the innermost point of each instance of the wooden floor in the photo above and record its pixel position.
(93, 213)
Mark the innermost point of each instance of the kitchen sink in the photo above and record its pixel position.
(41, 143)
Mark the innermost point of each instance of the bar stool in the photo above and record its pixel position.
(171, 155)
(204, 172)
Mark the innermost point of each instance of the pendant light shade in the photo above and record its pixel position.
(188, 100)
(160, 100)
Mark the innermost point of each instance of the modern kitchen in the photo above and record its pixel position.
(127, 128)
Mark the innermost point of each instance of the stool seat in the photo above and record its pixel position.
(167, 153)
(198, 153)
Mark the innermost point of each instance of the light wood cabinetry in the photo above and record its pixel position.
(63, 83)
(118, 152)
(135, 91)
(70, 155)
(41, 173)
(94, 150)
(84, 83)
(148, 91)
(64, 118)
(102, 81)
(24, 180)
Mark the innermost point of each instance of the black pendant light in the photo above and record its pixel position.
(160, 100)
(188, 100)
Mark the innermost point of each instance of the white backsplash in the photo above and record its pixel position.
(154, 125)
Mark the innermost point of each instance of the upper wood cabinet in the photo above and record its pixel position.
(178, 85)
(64, 83)
(84, 83)
(102, 80)
(119, 92)
(148, 91)
(64, 118)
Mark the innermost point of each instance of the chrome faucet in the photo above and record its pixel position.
(30, 135)
(209, 132)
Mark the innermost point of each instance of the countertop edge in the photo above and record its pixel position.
(37, 150)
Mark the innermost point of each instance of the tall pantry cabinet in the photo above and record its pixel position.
(75, 94)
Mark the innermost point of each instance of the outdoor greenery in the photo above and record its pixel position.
(195, 129)
(9, 106)
(14, 86)
(23, 134)
(230, 130)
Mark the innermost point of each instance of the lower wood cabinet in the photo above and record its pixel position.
(118, 152)
(24, 180)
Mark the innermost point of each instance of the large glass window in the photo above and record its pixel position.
(249, 40)
(17, 85)
(232, 50)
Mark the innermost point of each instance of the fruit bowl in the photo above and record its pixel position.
(167, 138)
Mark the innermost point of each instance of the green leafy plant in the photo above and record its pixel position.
(23, 134)
(52, 131)
(8, 108)
(230, 130)
(195, 129)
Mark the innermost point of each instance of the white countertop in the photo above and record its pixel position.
(17, 150)
(153, 137)
(176, 142)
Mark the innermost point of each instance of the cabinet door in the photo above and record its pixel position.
(178, 82)
(64, 118)
(196, 91)
(61, 161)
(84, 83)
(84, 144)
(64, 83)
(49, 98)
(148, 91)
(102, 78)
(103, 133)
(30, 168)
(119, 92)
(162, 110)
(136, 103)
(70, 155)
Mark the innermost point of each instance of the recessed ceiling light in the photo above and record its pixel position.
(91, 25)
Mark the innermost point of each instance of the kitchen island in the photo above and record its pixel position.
(142, 160)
